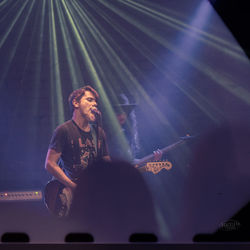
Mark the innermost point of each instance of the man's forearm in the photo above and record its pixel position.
(58, 173)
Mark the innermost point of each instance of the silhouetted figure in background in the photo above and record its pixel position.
(111, 202)
(126, 117)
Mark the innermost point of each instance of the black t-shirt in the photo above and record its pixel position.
(78, 148)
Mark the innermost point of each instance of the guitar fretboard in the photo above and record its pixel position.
(150, 157)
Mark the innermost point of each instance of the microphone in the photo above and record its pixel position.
(95, 111)
(98, 116)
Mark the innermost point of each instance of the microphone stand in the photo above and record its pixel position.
(99, 127)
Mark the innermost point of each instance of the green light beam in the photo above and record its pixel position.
(192, 31)
(119, 66)
(7, 64)
(187, 29)
(147, 53)
(4, 2)
(74, 69)
(139, 46)
(242, 94)
(40, 27)
(13, 23)
(56, 88)
(80, 40)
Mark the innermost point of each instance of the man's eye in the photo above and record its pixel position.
(90, 99)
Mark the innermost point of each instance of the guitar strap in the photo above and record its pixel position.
(95, 137)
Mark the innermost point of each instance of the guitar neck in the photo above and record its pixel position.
(150, 157)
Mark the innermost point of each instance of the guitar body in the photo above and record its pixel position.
(51, 196)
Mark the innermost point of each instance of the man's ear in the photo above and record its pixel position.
(75, 103)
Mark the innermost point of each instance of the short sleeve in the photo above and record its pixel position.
(58, 139)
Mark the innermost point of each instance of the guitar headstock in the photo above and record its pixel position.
(157, 166)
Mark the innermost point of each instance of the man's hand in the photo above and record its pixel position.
(157, 155)
(68, 191)
(72, 186)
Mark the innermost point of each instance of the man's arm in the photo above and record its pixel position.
(53, 168)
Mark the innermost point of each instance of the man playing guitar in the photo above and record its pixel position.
(78, 143)
(75, 145)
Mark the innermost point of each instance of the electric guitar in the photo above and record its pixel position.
(146, 164)
(52, 192)
(54, 188)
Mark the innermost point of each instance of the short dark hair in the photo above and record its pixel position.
(79, 93)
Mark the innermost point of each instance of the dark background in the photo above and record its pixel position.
(235, 15)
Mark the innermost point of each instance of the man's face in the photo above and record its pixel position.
(122, 118)
(86, 104)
